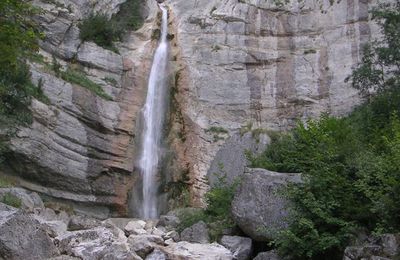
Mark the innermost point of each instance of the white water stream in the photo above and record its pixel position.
(153, 115)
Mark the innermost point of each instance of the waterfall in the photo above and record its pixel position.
(153, 116)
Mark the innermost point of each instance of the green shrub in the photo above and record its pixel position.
(104, 32)
(78, 77)
(11, 200)
(100, 30)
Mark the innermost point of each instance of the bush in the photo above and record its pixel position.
(217, 214)
(104, 32)
(100, 30)
(11, 200)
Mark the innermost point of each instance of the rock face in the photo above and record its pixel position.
(267, 63)
(22, 237)
(80, 146)
(386, 246)
(257, 207)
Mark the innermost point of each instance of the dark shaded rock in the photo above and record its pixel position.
(197, 233)
(241, 247)
(22, 237)
(386, 246)
(270, 255)
(258, 208)
(82, 222)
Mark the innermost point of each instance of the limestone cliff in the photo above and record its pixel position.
(262, 64)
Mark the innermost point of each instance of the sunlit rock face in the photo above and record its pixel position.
(264, 64)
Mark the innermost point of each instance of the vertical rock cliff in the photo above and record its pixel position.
(262, 64)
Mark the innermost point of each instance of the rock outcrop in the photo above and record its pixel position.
(263, 63)
(80, 147)
(258, 208)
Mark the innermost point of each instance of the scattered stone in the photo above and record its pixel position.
(156, 255)
(158, 232)
(172, 234)
(54, 228)
(195, 251)
(135, 227)
(23, 237)
(144, 244)
(82, 222)
(197, 233)
(258, 208)
(270, 255)
(241, 247)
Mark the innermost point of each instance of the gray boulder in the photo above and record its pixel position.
(82, 222)
(96, 243)
(22, 237)
(157, 254)
(386, 246)
(270, 255)
(258, 208)
(195, 251)
(197, 233)
(144, 244)
(241, 247)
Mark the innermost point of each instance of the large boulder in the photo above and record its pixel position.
(197, 233)
(195, 251)
(258, 208)
(23, 237)
(96, 243)
(241, 247)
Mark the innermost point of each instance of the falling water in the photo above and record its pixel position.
(153, 115)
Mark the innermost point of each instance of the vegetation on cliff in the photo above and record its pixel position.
(18, 40)
(350, 166)
(104, 32)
